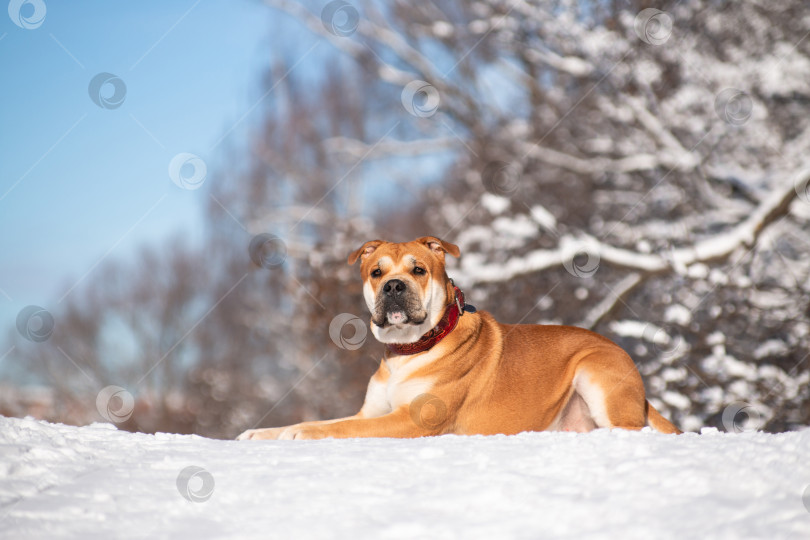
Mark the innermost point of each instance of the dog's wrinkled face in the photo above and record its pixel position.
(405, 286)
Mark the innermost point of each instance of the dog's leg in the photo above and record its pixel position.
(575, 416)
(375, 405)
(261, 433)
(612, 388)
(275, 433)
(397, 424)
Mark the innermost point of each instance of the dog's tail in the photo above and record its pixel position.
(658, 422)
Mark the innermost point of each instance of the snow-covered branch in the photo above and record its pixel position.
(609, 302)
(387, 148)
(711, 249)
(595, 166)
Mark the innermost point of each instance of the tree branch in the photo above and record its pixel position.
(358, 149)
(712, 249)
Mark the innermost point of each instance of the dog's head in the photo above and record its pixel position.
(405, 286)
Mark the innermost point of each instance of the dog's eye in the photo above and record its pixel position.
(418, 270)
(376, 272)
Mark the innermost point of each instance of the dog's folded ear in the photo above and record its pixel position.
(438, 245)
(366, 250)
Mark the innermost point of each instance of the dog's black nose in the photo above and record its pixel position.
(394, 287)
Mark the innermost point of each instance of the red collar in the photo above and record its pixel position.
(437, 333)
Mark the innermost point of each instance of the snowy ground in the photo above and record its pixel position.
(60, 481)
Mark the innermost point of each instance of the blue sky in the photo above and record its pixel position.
(80, 183)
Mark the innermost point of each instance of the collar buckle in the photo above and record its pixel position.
(458, 297)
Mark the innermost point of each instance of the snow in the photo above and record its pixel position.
(494, 203)
(519, 226)
(772, 347)
(60, 481)
(442, 29)
(545, 218)
(676, 313)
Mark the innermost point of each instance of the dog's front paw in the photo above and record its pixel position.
(248, 435)
(259, 434)
(303, 433)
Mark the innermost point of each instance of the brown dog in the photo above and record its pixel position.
(450, 371)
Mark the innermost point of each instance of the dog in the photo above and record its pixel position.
(451, 369)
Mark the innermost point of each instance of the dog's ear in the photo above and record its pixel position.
(366, 250)
(439, 246)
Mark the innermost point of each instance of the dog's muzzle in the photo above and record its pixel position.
(397, 304)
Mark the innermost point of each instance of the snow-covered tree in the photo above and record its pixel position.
(637, 170)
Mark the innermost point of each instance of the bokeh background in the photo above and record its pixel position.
(181, 183)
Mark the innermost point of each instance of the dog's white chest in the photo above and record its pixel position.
(401, 388)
